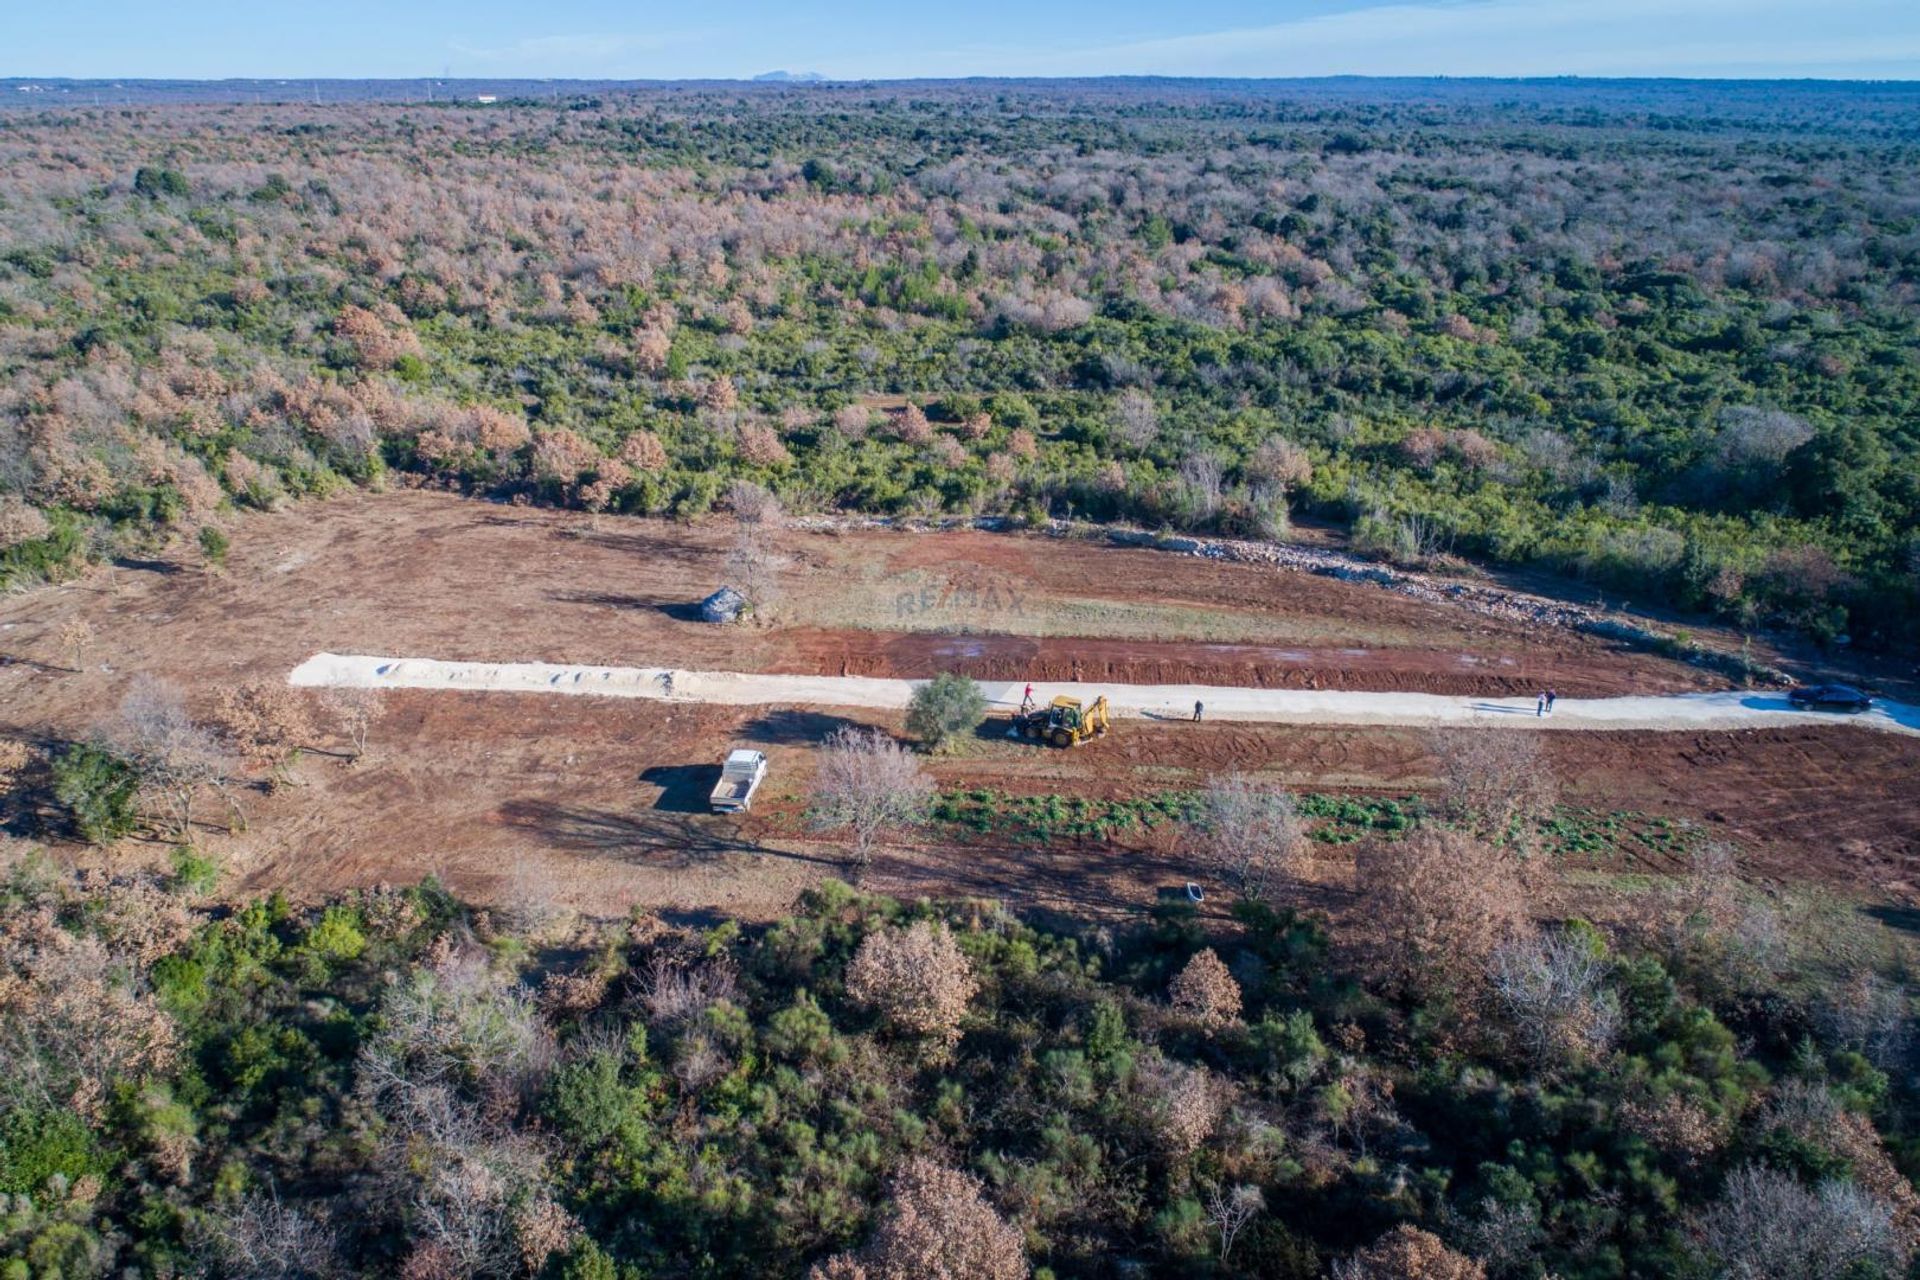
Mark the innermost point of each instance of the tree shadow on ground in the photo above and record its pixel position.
(995, 728)
(793, 726)
(165, 568)
(678, 610)
(648, 547)
(651, 838)
(684, 788)
(1905, 919)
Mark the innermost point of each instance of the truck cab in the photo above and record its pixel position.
(740, 777)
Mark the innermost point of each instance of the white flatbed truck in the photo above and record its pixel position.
(740, 777)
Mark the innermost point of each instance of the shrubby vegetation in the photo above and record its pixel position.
(1663, 341)
(397, 1084)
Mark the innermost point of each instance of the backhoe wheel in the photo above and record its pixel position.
(1061, 738)
(1031, 732)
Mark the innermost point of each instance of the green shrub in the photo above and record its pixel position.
(945, 708)
(98, 790)
(37, 1143)
(214, 545)
(194, 872)
(154, 182)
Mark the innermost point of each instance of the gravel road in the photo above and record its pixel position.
(1729, 710)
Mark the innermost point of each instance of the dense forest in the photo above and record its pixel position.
(1662, 338)
(399, 1085)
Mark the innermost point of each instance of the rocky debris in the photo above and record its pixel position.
(1495, 602)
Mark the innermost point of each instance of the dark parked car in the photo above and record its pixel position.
(1829, 697)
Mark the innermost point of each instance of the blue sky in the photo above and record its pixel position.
(889, 38)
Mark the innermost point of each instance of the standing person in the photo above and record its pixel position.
(1552, 698)
(1026, 699)
(1198, 709)
(1540, 705)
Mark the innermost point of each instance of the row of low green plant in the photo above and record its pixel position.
(1337, 819)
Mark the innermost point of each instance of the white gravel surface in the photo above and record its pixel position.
(1733, 710)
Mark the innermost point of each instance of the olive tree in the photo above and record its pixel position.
(945, 708)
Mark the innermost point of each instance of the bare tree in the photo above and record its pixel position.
(866, 785)
(1552, 988)
(1871, 1016)
(177, 759)
(1495, 781)
(1136, 419)
(675, 992)
(1767, 1225)
(1231, 1211)
(755, 561)
(1201, 476)
(259, 1238)
(75, 638)
(1249, 832)
(355, 712)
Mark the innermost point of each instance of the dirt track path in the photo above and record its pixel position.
(1732, 710)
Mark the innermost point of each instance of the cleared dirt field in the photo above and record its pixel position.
(429, 573)
(596, 803)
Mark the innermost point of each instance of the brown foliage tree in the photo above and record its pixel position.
(643, 451)
(1281, 462)
(1205, 992)
(910, 425)
(267, 722)
(1443, 902)
(75, 637)
(937, 1225)
(853, 421)
(761, 445)
(20, 522)
(1422, 447)
(1181, 1104)
(651, 347)
(1408, 1253)
(917, 977)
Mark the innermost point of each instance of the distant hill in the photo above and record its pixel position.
(791, 77)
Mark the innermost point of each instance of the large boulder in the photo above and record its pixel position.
(723, 605)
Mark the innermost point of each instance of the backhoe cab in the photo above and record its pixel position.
(1064, 722)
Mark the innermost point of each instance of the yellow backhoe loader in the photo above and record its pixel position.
(1065, 722)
